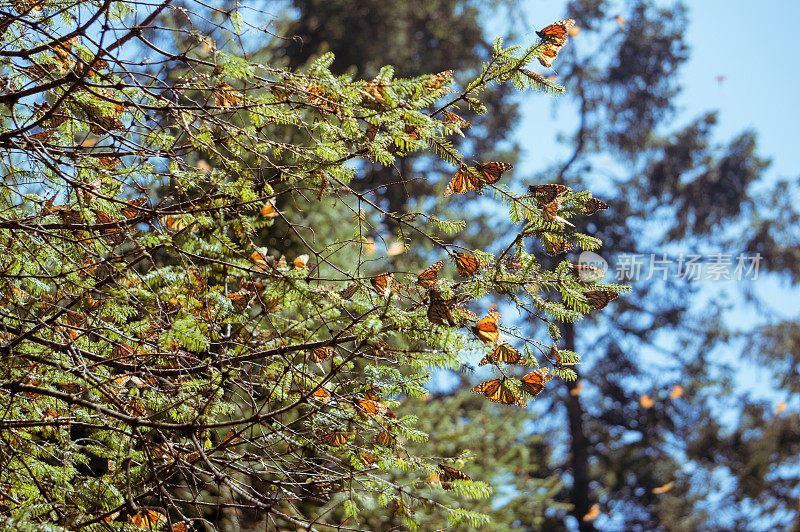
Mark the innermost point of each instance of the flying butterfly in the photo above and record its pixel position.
(468, 264)
(334, 439)
(439, 309)
(547, 192)
(593, 205)
(534, 382)
(503, 353)
(495, 390)
(554, 37)
(320, 354)
(428, 278)
(487, 329)
(383, 284)
(600, 298)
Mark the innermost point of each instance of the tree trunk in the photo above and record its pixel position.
(579, 446)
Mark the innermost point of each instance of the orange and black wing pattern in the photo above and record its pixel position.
(504, 353)
(449, 474)
(495, 390)
(439, 310)
(534, 382)
(488, 328)
(547, 192)
(428, 278)
(593, 205)
(554, 37)
(468, 264)
(320, 354)
(334, 439)
(557, 247)
(383, 284)
(492, 172)
(600, 298)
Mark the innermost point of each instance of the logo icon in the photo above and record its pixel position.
(591, 267)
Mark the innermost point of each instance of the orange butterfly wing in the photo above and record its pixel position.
(468, 264)
(449, 474)
(334, 439)
(493, 171)
(557, 247)
(383, 284)
(534, 382)
(320, 354)
(439, 310)
(459, 183)
(557, 32)
(547, 192)
(503, 353)
(428, 278)
(600, 298)
(487, 329)
(593, 205)
(496, 391)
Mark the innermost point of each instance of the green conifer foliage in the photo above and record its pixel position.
(162, 367)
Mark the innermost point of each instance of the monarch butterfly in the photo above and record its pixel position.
(131, 208)
(557, 32)
(269, 211)
(383, 284)
(547, 192)
(554, 37)
(534, 382)
(550, 212)
(241, 300)
(369, 407)
(428, 278)
(349, 291)
(384, 439)
(487, 328)
(449, 474)
(437, 80)
(503, 353)
(465, 179)
(334, 439)
(455, 121)
(300, 262)
(600, 298)
(495, 390)
(439, 309)
(468, 264)
(321, 394)
(593, 205)
(226, 96)
(587, 273)
(557, 247)
(320, 354)
(114, 235)
(147, 519)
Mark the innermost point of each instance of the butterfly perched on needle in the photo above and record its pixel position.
(550, 212)
(553, 37)
(466, 179)
(546, 192)
(503, 353)
(439, 309)
(534, 382)
(488, 328)
(428, 278)
(320, 354)
(593, 205)
(447, 474)
(557, 247)
(600, 298)
(334, 439)
(496, 391)
(383, 284)
(468, 264)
